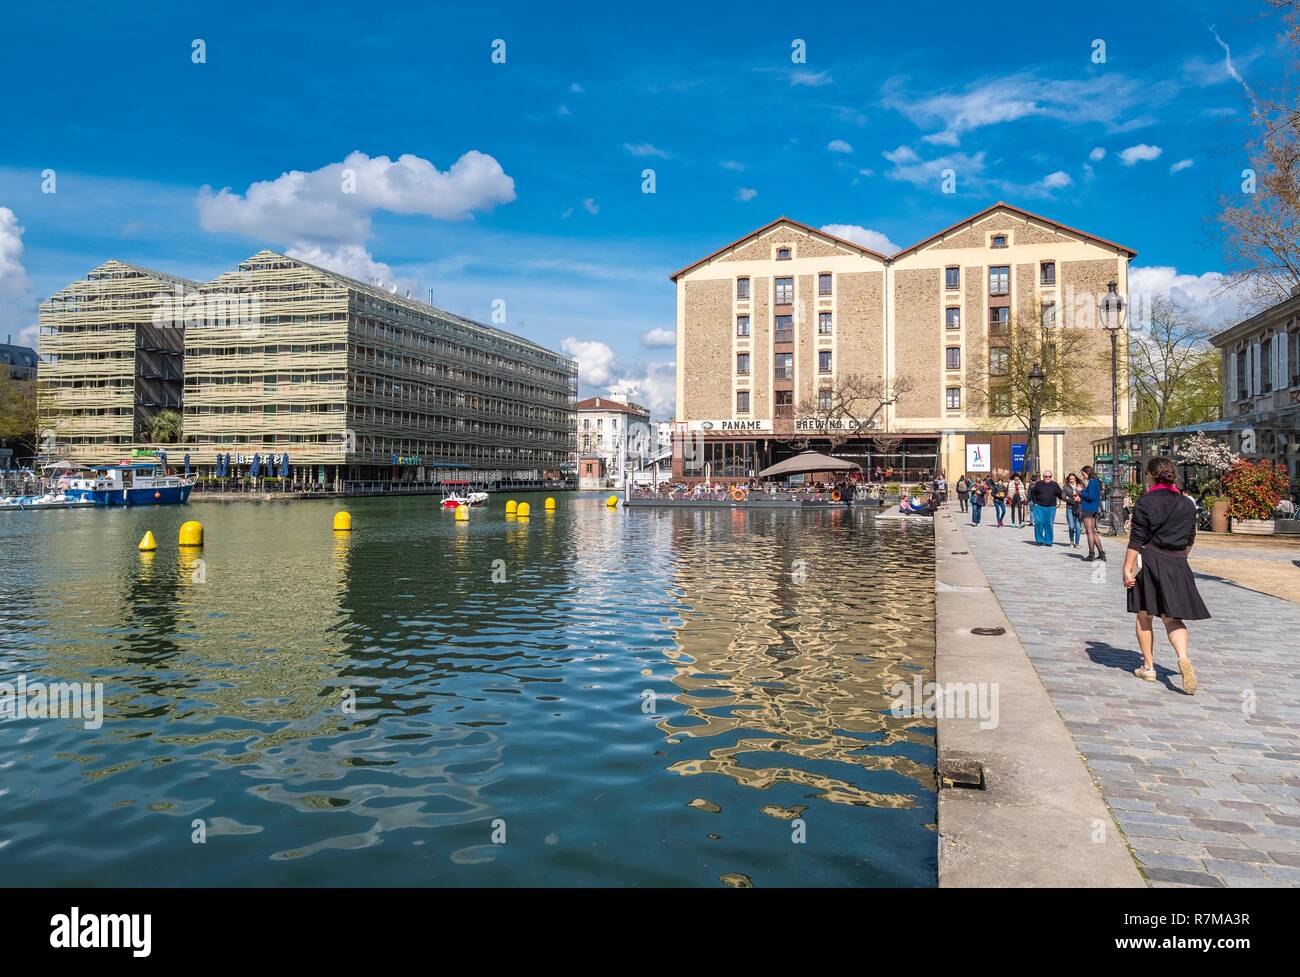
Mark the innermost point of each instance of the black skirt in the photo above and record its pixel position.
(1165, 586)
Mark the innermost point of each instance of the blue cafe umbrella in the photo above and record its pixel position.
(217, 469)
(162, 460)
(255, 468)
(187, 464)
(284, 465)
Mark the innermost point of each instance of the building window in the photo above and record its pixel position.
(784, 291)
(1047, 273)
(1293, 353)
(824, 398)
(742, 401)
(1000, 320)
(1000, 403)
(999, 240)
(742, 325)
(782, 254)
(953, 357)
(1243, 364)
(952, 278)
(784, 366)
(1000, 280)
(952, 398)
(1266, 363)
(823, 323)
(823, 361)
(742, 364)
(824, 284)
(952, 317)
(784, 329)
(1049, 315)
(999, 361)
(742, 289)
(784, 403)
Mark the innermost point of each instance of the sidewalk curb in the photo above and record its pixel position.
(1039, 819)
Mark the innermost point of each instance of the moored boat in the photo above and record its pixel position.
(134, 484)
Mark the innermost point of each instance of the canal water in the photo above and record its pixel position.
(591, 697)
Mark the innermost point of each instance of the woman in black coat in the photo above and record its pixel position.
(1156, 573)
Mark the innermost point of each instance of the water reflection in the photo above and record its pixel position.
(498, 671)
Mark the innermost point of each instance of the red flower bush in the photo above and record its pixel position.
(1254, 488)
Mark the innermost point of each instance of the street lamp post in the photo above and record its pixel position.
(1111, 308)
(1035, 419)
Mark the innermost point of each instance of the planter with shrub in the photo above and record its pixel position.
(1254, 489)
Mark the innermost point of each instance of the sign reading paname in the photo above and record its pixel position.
(979, 458)
(729, 425)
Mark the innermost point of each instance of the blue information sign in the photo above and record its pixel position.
(1018, 457)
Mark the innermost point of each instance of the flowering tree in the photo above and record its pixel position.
(1255, 488)
(1207, 452)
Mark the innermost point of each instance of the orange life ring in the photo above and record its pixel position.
(835, 496)
(738, 494)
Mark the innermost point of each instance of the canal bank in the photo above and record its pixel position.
(1016, 805)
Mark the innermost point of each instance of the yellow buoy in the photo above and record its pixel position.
(342, 522)
(148, 544)
(550, 503)
(511, 506)
(191, 534)
(523, 510)
(462, 513)
(612, 501)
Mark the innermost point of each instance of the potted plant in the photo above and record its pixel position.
(1254, 490)
(1218, 506)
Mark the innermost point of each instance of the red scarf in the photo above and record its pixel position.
(1165, 485)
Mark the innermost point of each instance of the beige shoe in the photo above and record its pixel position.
(1189, 676)
(1145, 673)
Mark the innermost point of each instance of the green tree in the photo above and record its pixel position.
(1173, 369)
(165, 427)
(18, 422)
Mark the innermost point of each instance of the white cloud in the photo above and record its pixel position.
(596, 360)
(352, 260)
(645, 149)
(839, 146)
(731, 164)
(659, 337)
(1054, 181)
(863, 236)
(1228, 67)
(336, 202)
(576, 88)
(810, 79)
(910, 168)
(1139, 153)
(17, 307)
(1098, 154)
(1197, 294)
(1181, 165)
(653, 385)
(590, 205)
(746, 194)
(1101, 98)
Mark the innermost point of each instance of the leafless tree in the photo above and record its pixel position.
(1166, 352)
(840, 410)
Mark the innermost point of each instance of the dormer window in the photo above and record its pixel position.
(782, 254)
(999, 241)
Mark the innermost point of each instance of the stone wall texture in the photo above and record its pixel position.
(803, 245)
(760, 325)
(805, 357)
(975, 324)
(709, 362)
(918, 337)
(860, 324)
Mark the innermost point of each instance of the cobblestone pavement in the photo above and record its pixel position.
(1206, 788)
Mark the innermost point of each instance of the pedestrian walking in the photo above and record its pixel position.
(1016, 496)
(1000, 500)
(978, 500)
(1044, 494)
(963, 492)
(1072, 488)
(1159, 581)
(1089, 507)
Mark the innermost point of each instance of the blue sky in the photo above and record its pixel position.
(522, 181)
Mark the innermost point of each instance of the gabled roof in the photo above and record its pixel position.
(609, 404)
(767, 227)
(1002, 205)
(112, 264)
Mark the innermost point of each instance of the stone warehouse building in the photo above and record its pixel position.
(354, 383)
(772, 324)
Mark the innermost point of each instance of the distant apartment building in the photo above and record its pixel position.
(353, 382)
(1261, 387)
(618, 433)
(771, 322)
(18, 366)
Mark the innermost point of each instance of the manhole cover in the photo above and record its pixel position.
(988, 631)
(960, 553)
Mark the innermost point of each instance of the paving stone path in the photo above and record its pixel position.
(1206, 788)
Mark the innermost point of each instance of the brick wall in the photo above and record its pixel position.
(918, 338)
(709, 364)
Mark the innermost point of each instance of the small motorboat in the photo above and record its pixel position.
(455, 500)
(50, 500)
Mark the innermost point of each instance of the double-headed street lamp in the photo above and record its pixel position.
(1111, 308)
(1035, 419)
